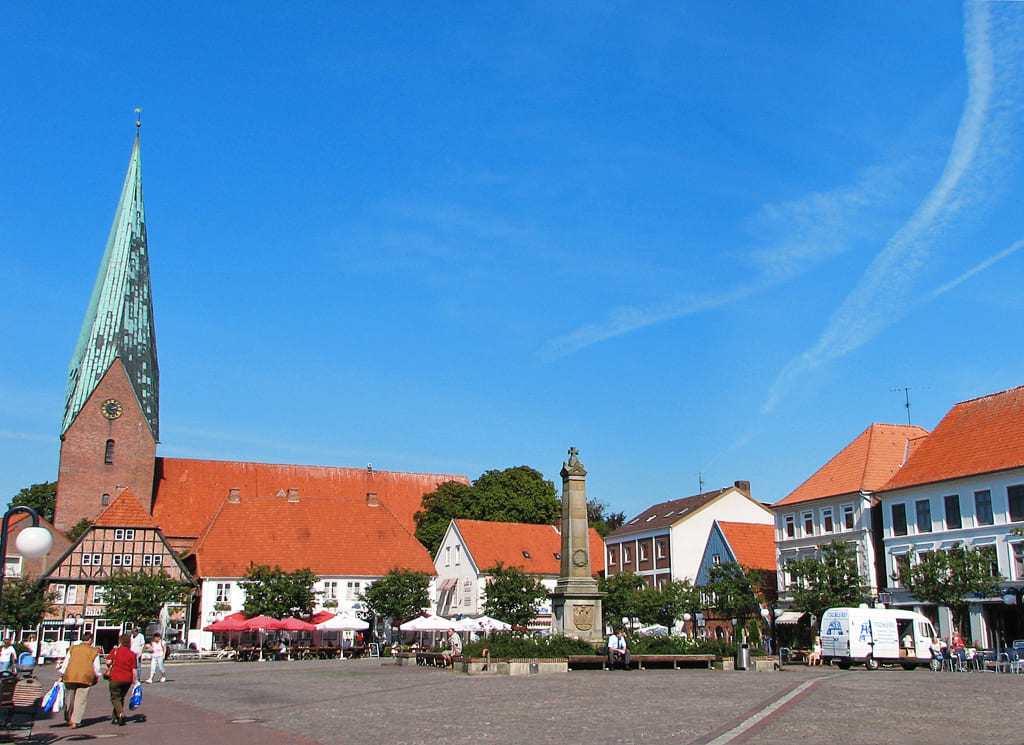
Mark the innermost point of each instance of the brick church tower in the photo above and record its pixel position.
(111, 409)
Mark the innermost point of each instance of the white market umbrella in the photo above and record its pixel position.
(343, 622)
(427, 623)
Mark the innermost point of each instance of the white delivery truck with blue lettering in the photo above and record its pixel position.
(872, 636)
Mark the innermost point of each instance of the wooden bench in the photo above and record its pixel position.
(643, 661)
(430, 658)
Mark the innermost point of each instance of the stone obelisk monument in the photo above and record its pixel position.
(576, 601)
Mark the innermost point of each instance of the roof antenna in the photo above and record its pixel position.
(700, 483)
(906, 398)
(138, 118)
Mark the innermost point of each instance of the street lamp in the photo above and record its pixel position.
(32, 542)
(768, 613)
(686, 619)
(75, 622)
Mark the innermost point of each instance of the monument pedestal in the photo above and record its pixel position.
(577, 615)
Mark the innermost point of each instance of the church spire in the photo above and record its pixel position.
(119, 320)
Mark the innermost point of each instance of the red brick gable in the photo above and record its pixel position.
(125, 512)
(188, 492)
(752, 544)
(866, 463)
(979, 436)
(491, 542)
(330, 536)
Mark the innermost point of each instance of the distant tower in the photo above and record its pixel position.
(576, 601)
(111, 408)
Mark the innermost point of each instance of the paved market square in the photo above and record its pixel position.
(371, 701)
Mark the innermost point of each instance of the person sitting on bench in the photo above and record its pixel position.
(617, 650)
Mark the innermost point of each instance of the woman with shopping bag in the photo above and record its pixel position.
(79, 671)
(124, 675)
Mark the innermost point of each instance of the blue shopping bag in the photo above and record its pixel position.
(136, 700)
(54, 697)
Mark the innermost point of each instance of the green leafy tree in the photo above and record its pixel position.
(512, 595)
(602, 521)
(515, 495)
(666, 605)
(398, 595)
(25, 602)
(734, 591)
(829, 581)
(76, 530)
(624, 598)
(136, 597)
(40, 497)
(954, 578)
(276, 593)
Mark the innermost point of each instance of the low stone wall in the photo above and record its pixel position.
(484, 666)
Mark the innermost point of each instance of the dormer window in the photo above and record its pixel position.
(526, 554)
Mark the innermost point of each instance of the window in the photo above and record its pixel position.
(116, 560)
(124, 534)
(643, 552)
(352, 590)
(716, 559)
(105, 500)
(899, 519)
(611, 557)
(330, 590)
(1015, 500)
(98, 592)
(625, 555)
(158, 559)
(790, 526)
(108, 453)
(59, 593)
(847, 510)
(661, 548)
(1018, 560)
(989, 552)
(808, 520)
(447, 556)
(12, 566)
(924, 515)
(467, 592)
(223, 594)
(92, 560)
(983, 507)
(458, 555)
(827, 525)
(71, 596)
(901, 565)
(952, 505)
(526, 554)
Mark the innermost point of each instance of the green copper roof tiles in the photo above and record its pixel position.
(119, 320)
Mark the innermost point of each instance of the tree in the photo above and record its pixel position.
(604, 523)
(136, 598)
(399, 594)
(40, 497)
(954, 578)
(734, 591)
(624, 598)
(277, 593)
(515, 495)
(829, 581)
(78, 529)
(25, 602)
(512, 595)
(667, 604)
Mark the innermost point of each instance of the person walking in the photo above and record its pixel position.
(124, 674)
(138, 645)
(79, 671)
(8, 656)
(158, 648)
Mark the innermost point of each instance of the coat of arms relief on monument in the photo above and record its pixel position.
(583, 617)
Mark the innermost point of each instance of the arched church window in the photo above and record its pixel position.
(108, 453)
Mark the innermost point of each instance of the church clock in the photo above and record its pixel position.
(112, 408)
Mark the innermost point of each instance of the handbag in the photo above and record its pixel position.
(54, 698)
(136, 700)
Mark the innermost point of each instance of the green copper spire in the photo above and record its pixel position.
(119, 321)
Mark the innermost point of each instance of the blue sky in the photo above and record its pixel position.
(687, 238)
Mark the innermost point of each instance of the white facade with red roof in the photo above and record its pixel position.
(838, 501)
(963, 485)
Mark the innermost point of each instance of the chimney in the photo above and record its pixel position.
(743, 486)
(234, 496)
(293, 495)
(371, 499)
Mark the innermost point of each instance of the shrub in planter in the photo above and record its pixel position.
(507, 645)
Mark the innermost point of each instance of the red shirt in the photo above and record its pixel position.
(123, 664)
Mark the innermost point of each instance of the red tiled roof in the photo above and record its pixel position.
(866, 463)
(124, 511)
(491, 542)
(982, 435)
(188, 492)
(753, 545)
(331, 537)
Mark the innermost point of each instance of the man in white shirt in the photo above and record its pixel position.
(617, 650)
(138, 644)
(9, 656)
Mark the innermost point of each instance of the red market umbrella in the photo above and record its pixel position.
(227, 624)
(295, 624)
(265, 623)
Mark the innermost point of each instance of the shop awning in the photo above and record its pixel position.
(790, 617)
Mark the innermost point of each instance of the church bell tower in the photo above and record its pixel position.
(111, 408)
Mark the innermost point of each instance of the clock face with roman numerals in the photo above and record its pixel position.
(112, 408)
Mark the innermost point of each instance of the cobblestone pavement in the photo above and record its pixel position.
(369, 702)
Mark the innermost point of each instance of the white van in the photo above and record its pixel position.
(872, 636)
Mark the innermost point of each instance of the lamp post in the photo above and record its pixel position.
(769, 613)
(32, 542)
(693, 629)
(75, 622)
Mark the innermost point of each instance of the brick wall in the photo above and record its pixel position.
(84, 476)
